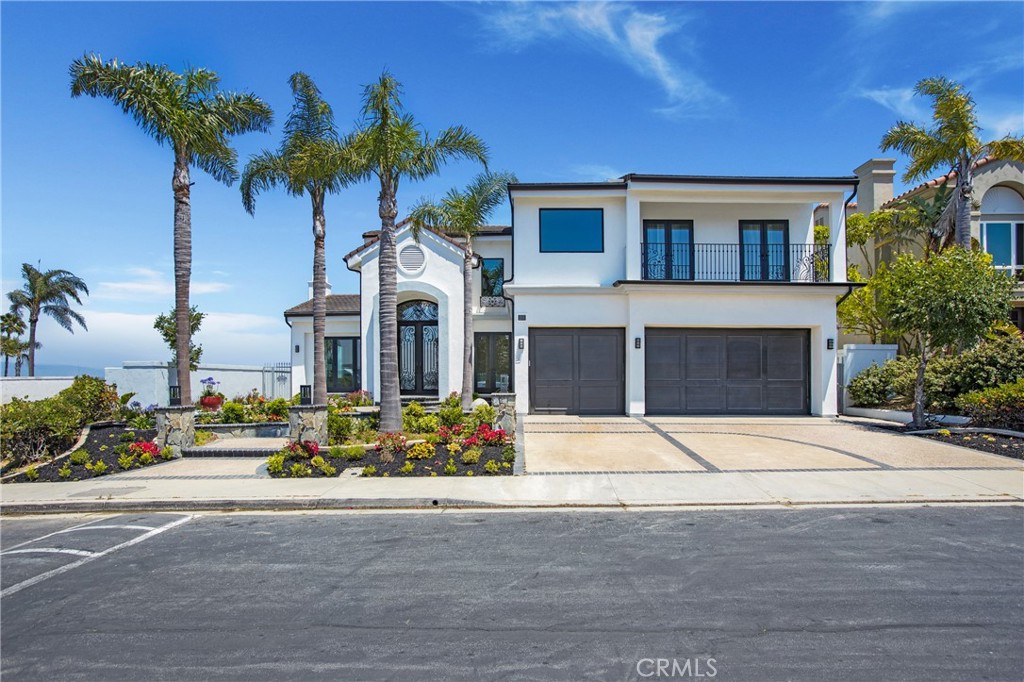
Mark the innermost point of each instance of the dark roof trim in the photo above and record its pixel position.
(513, 186)
(687, 283)
(338, 305)
(844, 181)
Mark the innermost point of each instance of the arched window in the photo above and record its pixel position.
(1002, 200)
(417, 311)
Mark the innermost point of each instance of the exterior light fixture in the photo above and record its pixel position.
(174, 392)
(521, 343)
(305, 394)
(296, 348)
(830, 344)
(636, 342)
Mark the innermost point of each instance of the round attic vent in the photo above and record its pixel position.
(411, 258)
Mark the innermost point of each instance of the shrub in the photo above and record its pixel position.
(470, 457)
(232, 413)
(485, 435)
(359, 399)
(167, 453)
(453, 448)
(491, 467)
(65, 471)
(31, 430)
(142, 421)
(145, 459)
(1000, 406)
(420, 451)
(450, 416)
(369, 470)
(98, 467)
(144, 447)
(990, 363)
(353, 453)
(339, 427)
(275, 464)
(79, 457)
(31, 474)
(508, 453)
(449, 434)
(127, 437)
(407, 468)
(317, 461)
(306, 449)
(126, 461)
(389, 444)
(92, 398)
(300, 470)
(481, 415)
(450, 469)
(277, 409)
(469, 473)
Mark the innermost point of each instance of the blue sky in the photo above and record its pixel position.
(560, 91)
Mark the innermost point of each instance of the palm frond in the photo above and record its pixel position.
(1009, 148)
(264, 171)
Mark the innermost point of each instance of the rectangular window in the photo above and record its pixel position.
(492, 362)
(492, 276)
(999, 243)
(668, 249)
(572, 230)
(764, 250)
(341, 357)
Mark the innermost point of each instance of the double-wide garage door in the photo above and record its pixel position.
(577, 371)
(726, 371)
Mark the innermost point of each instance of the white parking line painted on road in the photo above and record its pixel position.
(86, 524)
(50, 550)
(104, 527)
(75, 564)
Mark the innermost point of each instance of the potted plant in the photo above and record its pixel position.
(211, 399)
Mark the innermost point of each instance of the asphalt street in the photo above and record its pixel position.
(898, 593)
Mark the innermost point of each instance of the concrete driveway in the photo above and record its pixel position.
(718, 444)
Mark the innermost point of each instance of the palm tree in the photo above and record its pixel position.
(11, 329)
(47, 293)
(305, 164)
(187, 112)
(391, 146)
(952, 143)
(462, 213)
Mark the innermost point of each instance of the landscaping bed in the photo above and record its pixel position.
(993, 443)
(308, 461)
(116, 446)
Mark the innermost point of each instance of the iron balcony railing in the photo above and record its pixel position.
(736, 262)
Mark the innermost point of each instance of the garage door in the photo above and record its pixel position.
(726, 371)
(577, 371)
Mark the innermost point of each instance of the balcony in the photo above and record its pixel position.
(492, 302)
(736, 262)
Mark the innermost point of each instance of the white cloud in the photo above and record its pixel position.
(594, 171)
(901, 101)
(1001, 123)
(620, 30)
(145, 284)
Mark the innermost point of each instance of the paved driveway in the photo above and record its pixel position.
(702, 444)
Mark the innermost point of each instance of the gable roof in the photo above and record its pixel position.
(935, 182)
(482, 231)
(371, 240)
(337, 304)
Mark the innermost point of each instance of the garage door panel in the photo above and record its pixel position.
(577, 371)
(723, 371)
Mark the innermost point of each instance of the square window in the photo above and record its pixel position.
(572, 230)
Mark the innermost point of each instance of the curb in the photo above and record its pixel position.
(422, 504)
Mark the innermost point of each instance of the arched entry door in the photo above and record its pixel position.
(417, 347)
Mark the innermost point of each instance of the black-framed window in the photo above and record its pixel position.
(492, 276)
(572, 230)
(341, 360)
(764, 250)
(492, 362)
(668, 249)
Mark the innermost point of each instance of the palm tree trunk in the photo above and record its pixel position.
(7, 363)
(32, 321)
(467, 325)
(965, 186)
(390, 400)
(919, 396)
(319, 299)
(182, 272)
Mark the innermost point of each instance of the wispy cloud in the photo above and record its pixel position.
(1002, 122)
(901, 101)
(996, 118)
(619, 30)
(143, 284)
(594, 171)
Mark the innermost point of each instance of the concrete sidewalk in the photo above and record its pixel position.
(223, 484)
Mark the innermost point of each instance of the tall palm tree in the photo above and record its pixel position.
(952, 143)
(391, 146)
(189, 113)
(305, 164)
(47, 293)
(11, 329)
(463, 213)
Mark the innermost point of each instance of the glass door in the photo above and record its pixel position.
(668, 249)
(418, 348)
(492, 362)
(764, 250)
(341, 357)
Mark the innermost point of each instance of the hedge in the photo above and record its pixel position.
(999, 407)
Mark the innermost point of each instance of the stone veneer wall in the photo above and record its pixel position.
(308, 422)
(504, 405)
(175, 428)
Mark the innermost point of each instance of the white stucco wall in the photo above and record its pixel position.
(302, 336)
(149, 380)
(31, 388)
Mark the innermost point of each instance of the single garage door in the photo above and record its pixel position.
(577, 371)
(727, 371)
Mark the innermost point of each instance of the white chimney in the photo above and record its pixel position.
(310, 290)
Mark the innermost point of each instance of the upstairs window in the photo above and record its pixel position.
(492, 276)
(572, 230)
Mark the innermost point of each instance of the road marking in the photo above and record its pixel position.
(85, 524)
(105, 527)
(50, 550)
(75, 564)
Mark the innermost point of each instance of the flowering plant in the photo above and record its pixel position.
(143, 447)
(485, 435)
(306, 449)
(209, 386)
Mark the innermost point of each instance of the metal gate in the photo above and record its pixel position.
(277, 380)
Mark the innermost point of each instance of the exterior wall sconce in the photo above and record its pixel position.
(174, 393)
(521, 343)
(636, 342)
(296, 348)
(305, 394)
(830, 344)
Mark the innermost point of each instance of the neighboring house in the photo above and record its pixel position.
(650, 294)
(997, 219)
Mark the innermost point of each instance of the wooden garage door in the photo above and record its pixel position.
(577, 371)
(727, 371)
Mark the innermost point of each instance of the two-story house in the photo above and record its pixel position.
(649, 294)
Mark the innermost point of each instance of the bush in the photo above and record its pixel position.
(389, 444)
(98, 468)
(145, 459)
(883, 384)
(167, 453)
(275, 464)
(451, 416)
(481, 415)
(491, 467)
(203, 437)
(508, 453)
(126, 461)
(92, 398)
(999, 407)
(65, 471)
(407, 468)
(352, 453)
(232, 413)
(450, 469)
(32, 430)
(31, 474)
(300, 470)
(369, 471)
(420, 451)
(471, 457)
(79, 457)
(339, 427)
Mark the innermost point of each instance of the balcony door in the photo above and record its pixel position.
(668, 249)
(417, 348)
(764, 250)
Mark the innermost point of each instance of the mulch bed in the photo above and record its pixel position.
(993, 443)
(421, 467)
(100, 444)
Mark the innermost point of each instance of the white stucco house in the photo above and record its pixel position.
(648, 294)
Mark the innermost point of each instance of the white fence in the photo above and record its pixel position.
(857, 357)
(31, 388)
(150, 380)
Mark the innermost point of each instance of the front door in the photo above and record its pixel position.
(417, 348)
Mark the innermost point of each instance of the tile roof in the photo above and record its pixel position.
(935, 182)
(337, 304)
